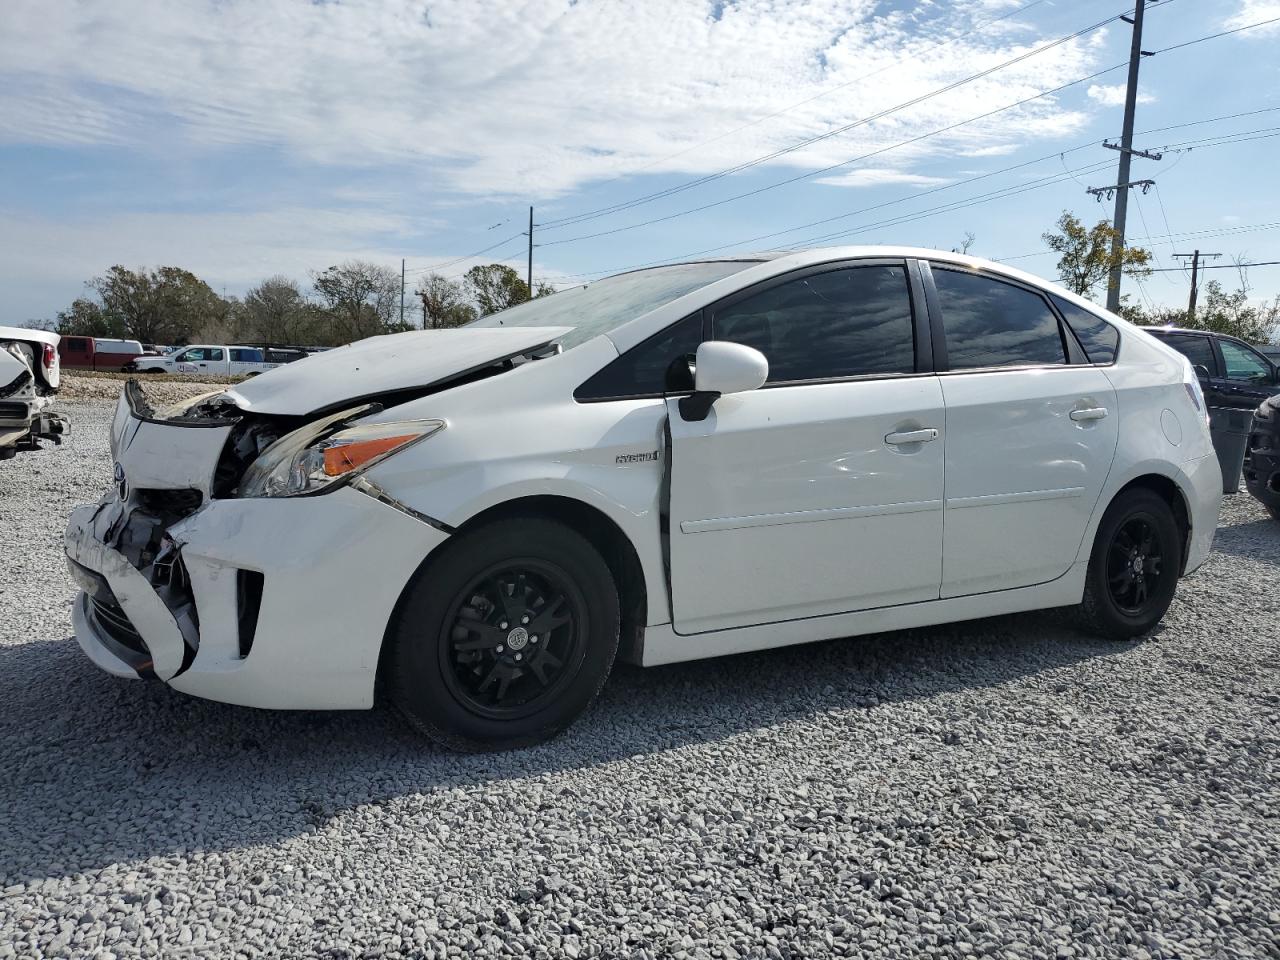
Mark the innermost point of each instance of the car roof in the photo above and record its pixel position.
(773, 263)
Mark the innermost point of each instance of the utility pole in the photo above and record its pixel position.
(1195, 259)
(1126, 155)
(402, 291)
(529, 276)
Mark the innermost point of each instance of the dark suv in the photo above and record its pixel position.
(1235, 375)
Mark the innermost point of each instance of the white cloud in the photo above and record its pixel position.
(1255, 11)
(1113, 95)
(880, 176)
(517, 97)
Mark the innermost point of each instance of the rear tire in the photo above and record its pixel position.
(505, 638)
(1275, 513)
(1134, 567)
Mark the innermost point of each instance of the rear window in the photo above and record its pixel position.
(1195, 348)
(76, 344)
(599, 307)
(1099, 338)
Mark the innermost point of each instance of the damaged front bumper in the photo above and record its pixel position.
(25, 421)
(261, 602)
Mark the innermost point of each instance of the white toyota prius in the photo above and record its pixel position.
(673, 463)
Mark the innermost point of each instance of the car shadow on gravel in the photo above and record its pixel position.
(99, 771)
(1254, 539)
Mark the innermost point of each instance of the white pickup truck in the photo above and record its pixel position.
(214, 359)
(29, 377)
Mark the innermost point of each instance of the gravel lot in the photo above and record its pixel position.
(1007, 787)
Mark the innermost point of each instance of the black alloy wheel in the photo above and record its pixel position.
(1134, 567)
(504, 636)
(1134, 564)
(515, 636)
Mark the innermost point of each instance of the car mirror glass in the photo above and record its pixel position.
(1202, 372)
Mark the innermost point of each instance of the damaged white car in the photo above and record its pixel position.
(674, 463)
(29, 379)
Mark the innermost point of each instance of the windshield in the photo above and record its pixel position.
(596, 308)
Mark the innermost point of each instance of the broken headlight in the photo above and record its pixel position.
(315, 458)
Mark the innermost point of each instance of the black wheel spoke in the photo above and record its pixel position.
(554, 614)
(511, 632)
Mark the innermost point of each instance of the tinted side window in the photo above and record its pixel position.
(77, 344)
(1099, 338)
(1196, 349)
(214, 354)
(642, 370)
(993, 324)
(1243, 364)
(842, 323)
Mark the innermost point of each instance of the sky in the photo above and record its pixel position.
(242, 139)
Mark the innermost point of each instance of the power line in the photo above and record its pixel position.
(470, 256)
(1222, 266)
(818, 96)
(827, 169)
(708, 178)
(938, 189)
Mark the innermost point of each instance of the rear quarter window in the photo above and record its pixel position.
(1099, 339)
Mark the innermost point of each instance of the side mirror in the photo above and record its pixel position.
(1202, 372)
(721, 368)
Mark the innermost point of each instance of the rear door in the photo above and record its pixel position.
(1031, 433)
(821, 492)
(1248, 377)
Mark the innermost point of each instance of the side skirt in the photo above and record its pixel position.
(663, 645)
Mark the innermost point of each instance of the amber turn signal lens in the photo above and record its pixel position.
(344, 457)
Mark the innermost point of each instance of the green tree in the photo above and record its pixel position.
(84, 318)
(495, 287)
(444, 302)
(360, 296)
(1086, 257)
(1233, 314)
(157, 306)
(275, 311)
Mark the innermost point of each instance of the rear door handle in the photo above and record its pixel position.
(1089, 413)
(912, 436)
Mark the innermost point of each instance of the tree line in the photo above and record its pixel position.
(357, 299)
(345, 302)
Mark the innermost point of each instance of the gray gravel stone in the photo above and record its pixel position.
(1005, 788)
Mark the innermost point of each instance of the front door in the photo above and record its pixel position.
(821, 492)
(1031, 433)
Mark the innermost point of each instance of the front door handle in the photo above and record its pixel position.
(1089, 413)
(912, 436)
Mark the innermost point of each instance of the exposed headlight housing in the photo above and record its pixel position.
(324, 455)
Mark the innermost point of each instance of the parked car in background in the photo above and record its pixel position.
(687, 461)
(1271, 351)
(1262, 472)
(29, 378)
(215, 360)
(98, 353)
(1235, 377)
(1233, 373)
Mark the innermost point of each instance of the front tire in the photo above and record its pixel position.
(1134, 567)
(505, 638)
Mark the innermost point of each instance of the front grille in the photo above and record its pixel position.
(12, 410)
(170, 505)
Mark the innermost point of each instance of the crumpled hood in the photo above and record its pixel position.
(380, 365)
